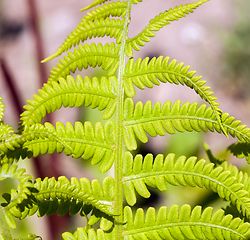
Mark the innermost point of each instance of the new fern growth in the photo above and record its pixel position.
(111, 144)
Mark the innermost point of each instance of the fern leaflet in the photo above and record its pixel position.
(159, 22)
(2, 106)
(157, 121)
(82, 141)
(158, 172)
(69, 93)
(183, 223)
(102, 56)
(95, 3)
(49, 196)
(144, 73)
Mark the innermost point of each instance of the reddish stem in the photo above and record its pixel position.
(11, 85)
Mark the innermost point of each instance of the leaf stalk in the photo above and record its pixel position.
(119, 128)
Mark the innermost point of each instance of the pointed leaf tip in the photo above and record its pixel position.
(93, 4)
(51, 57)
(224, 130)
(84, 9)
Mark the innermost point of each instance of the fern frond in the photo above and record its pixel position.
(136, 1)
(140, 173)
(90, 234)
(6, 131)
(12, 156)
(241, 177)
(87, 30)
(74, 192)
(96, 93)
(113, 9)
(93, 4)
(94, 55)
(188, 117)
(240, 150)
(82, 141)
(2, 106)
(159, 22)
(6, 223)
(50, 196)
(183, 223)
(24, 184)
(145, 73)
(9, 145)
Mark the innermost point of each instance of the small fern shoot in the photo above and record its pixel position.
(111, 203)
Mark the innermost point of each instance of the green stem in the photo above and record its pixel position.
(5, 233)
(119, 129)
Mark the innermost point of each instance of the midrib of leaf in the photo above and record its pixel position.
(93, 143)
(181, 117)
(119, 129)
(104, 11)
(4, 227)
(178, 75)
(180, 224)
(78, 91)
(73, 91)
(176, 172)
(168, 17)
(195, 86)
(50, 136)
(85, 198)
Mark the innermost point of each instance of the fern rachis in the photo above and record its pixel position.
(111, 144)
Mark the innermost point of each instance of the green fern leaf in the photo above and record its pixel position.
(12, 156)
(89, 29)
(11, 146)
(6, 131)
(114, 9)
(24, 184)
(93, 4)
(6, 223)
(136, 1)
(10, 220)
(241, 178)
(94, 55)
(159, 22)
(10, 143)
(82, 141)
(74, 192)
(90, 234)
(69, 93)
(140, 173)
(2, 106)
(154, 121)
(145, 73)
(240, 150)
(183, 223)
(97, 2)
(49, 196)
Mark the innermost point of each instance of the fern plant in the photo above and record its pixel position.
(109, 203)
